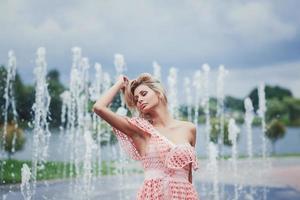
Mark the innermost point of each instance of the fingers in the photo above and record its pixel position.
(125, 78)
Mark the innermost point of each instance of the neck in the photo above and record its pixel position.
(160, 116)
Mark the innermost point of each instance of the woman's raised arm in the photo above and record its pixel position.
(115, 120)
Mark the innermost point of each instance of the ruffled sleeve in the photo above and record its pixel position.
(181, 156)
(126, 142)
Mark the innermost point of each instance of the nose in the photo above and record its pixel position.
(140, 101)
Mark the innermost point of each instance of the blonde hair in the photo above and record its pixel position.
(144, 79)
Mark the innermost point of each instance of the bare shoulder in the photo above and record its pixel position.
(191, 130)
(188, 125)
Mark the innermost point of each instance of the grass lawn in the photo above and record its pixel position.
(51, 170)
(60, 170)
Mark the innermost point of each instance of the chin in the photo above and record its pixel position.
(145, 111)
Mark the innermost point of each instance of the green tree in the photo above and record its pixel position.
(55, 88)
(2, 87)
(293, 108)
(24, 100)
(215, 131)
(233, 103)
(276, 109)
(276, 92)
(24, 97)
(275, 131)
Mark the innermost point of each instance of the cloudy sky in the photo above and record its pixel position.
(257, 41)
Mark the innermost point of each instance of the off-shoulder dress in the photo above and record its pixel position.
(166, 165)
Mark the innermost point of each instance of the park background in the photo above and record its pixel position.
(257, 42)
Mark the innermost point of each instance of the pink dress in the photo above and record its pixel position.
(166, 165)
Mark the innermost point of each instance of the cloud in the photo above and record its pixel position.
(257, 21)
(240, 82)
(184, 34)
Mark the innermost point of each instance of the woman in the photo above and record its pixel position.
(165, 146)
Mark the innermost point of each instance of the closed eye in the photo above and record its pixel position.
(143, 93)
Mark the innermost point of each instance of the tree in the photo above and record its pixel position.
(14, 139)
(276, 109)
(275, 131)
(234, 103)
(24, 96)
(55, 88)
(276, 92)
(2, 87)
(293, 108)
(215, 131)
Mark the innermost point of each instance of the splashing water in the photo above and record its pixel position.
(220, 114)
(156, 70)
(82, 132)
(213, 169)
(266, 164)
(120, 67)
(261, 113)
(41, 133)
(205, 104)
(220, 103)
(172, 92)
(9, 101)
(197, 83)
(187, 87)
(120, 64)
(90, 146)
(25, 184)
(249, 116)
(233, 131)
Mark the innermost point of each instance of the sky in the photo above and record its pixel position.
(256, 41)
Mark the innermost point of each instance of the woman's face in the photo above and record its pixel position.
(145, 98)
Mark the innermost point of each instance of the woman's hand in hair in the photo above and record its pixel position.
(122, 81)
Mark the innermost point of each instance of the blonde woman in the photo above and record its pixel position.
(165, 146)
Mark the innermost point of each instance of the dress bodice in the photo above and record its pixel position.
(166, 165)
(161, 152)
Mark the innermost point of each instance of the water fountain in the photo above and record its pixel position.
(79, 125)
(212, 167)
(187, 88)
(172, 92)
(9, 93)
(220, 105)
(95, 92)
(26, 189)
(220, 116)
(205, 104)
(9, 102)
(233, 131)
(64, 137)
(197, 83)
(41, 133)
(261, 113)
(156, 70)
(120, 67)
(249, 116)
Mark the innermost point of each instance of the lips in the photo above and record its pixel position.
(143, 105)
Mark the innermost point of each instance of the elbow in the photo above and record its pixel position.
(98, 109)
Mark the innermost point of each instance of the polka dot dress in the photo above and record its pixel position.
(166, 165)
